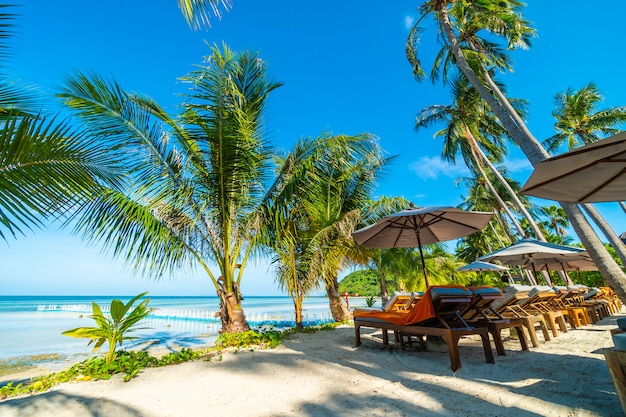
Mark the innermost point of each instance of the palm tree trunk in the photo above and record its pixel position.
(608, 232)
(297, 304)
(513, 195)
(338, 309)
(493, 190)
(384, 292)
(511, 121)
(623, 206)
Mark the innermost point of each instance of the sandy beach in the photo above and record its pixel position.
(323, 374)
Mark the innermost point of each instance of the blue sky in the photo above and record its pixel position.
(344, 71)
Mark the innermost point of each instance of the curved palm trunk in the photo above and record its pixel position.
(623, 206)
(607, 230)
(493, 190)
(512, 193)
(338, 309)
(231, 314)
(500, 106)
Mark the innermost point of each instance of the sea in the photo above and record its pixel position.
(31, 326)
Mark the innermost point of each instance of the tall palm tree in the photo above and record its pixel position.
(193, 185)
(579, 122)
(472, 131)
(461, 24)
(318, 208)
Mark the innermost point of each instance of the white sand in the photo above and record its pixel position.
(323, 374)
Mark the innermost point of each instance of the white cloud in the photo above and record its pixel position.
(409, 21)
(518, 165)
(430, 168)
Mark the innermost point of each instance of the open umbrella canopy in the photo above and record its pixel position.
(415, 227)
(592, 173)
(572, 262)
(530, 253)
(480, 266)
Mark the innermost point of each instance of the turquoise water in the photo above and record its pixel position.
(32, 325)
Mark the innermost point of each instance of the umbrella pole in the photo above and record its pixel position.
(419, 245)
(532, 263)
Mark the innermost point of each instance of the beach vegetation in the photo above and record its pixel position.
(35, 146)
(314, 206)
(475, 39)
(193, 183)
(363, 282)
(115, 327)
(131, 363)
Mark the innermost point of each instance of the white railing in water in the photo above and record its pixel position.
(254, 319)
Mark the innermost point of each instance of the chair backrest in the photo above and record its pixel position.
(481, 306)
(415, 297)
(448, 302)
(397, 301)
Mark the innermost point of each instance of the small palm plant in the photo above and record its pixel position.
(113, 330)
(370, 301)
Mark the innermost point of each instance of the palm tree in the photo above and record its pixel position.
(46, 166)
(198, 13)
(317, 208)
(578, 122)
(193, 185)
(469, 124)
(557, 219)
(461, 23)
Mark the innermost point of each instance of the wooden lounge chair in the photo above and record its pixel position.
(512, 307)
(436, 314)
(397, 302)
(481, 312)
(539, 302)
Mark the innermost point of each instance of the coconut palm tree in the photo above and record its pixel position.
(462, 24)
(472, 131)
(193, 184)
(316, 210)
(579, 122)
(557, 219)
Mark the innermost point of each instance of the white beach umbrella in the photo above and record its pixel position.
(415, 227)
(480, 266)
(592, 173)
(528, 252)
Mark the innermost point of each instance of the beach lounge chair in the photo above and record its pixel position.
(539, 302)
(397, 302)
(512, 307)
(435, 314)
(481, 312)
